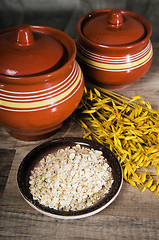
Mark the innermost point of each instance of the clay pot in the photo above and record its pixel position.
(114, 47)
(41, 83)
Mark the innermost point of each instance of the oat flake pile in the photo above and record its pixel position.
(71, 179)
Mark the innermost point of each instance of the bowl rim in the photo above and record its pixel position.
(47, 146)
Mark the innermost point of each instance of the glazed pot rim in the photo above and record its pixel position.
(48, 75)
(83, 19)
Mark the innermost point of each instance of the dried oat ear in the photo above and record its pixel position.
(128, 127)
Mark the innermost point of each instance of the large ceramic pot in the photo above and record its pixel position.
(114, 47)
(41, 83)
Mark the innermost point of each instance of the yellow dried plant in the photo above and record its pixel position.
(128, 127)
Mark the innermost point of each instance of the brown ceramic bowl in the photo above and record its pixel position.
(114, 47)
(41, 83)
(32, 159)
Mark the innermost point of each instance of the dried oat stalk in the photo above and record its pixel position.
(128, 127)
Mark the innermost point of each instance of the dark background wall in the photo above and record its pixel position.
(64, 14)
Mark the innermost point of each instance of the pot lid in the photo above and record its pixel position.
(113, 27)
(24, 52)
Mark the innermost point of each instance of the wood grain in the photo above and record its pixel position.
(6, 162)
(133, 215)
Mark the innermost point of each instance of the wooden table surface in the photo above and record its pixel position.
(133, 215)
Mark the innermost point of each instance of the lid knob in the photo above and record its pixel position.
(115, 18)
(24, 35)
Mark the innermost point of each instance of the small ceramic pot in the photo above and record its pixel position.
(114, 47)
(41, 83)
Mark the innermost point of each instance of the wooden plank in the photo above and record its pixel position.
(133, 215)
(6, 159)
(23, 225)
(132, 209)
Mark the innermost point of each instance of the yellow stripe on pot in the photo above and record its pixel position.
(42, 103)
(115, 66)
